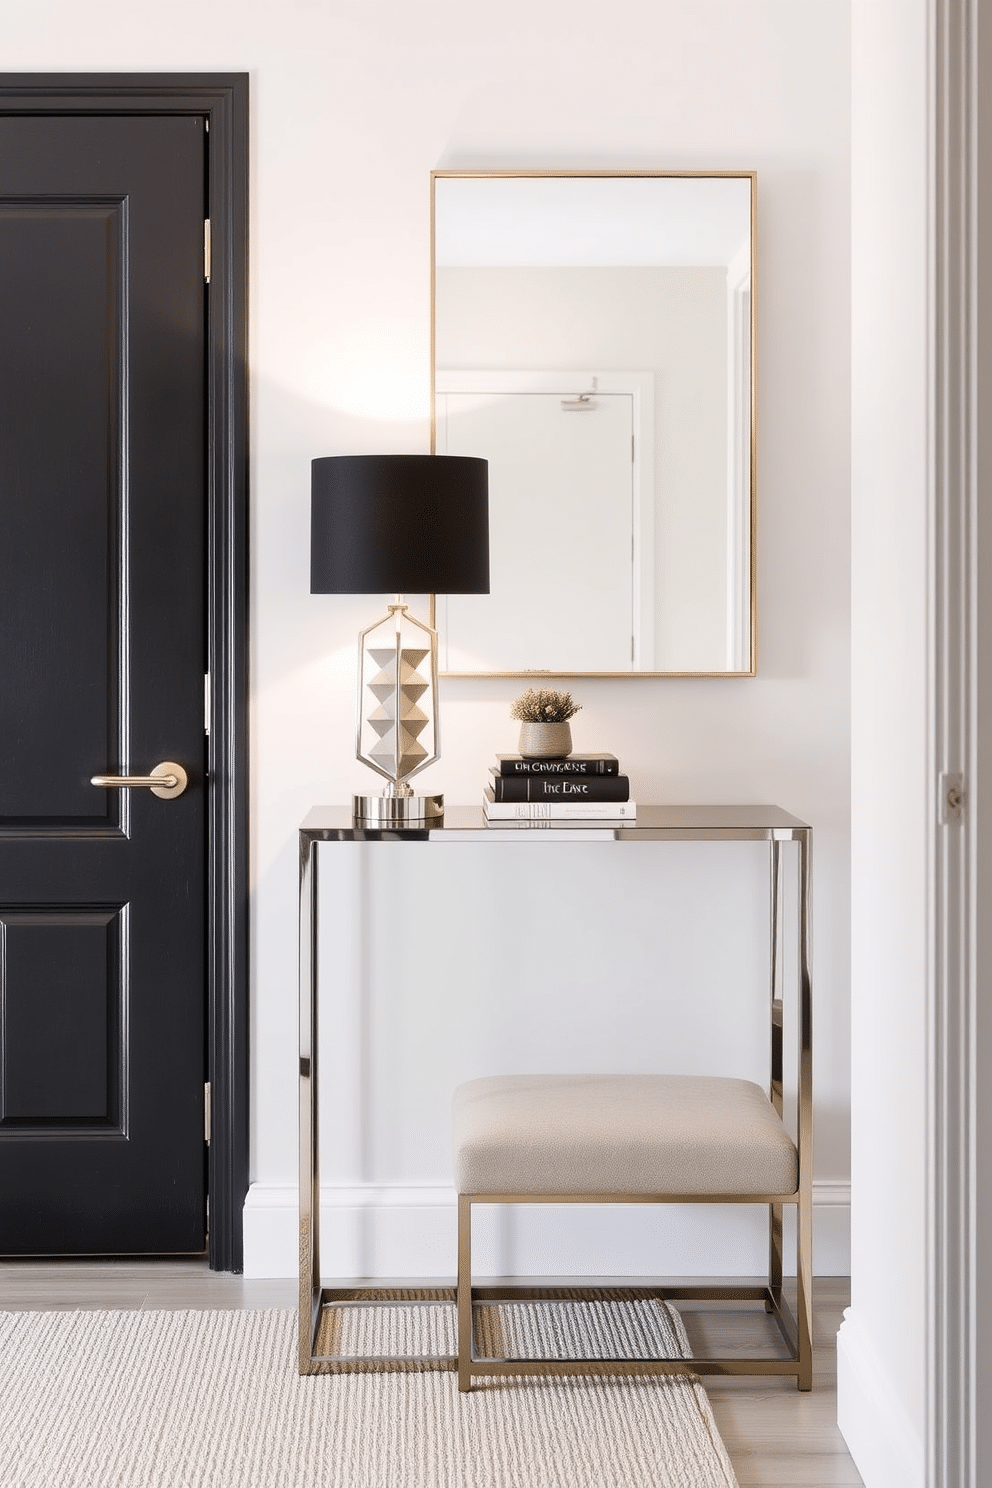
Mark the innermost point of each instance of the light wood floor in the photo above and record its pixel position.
(776, 1436)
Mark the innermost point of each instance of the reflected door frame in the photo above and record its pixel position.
(639, 387)
(740, 458)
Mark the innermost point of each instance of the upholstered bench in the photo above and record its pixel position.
(624, 1139)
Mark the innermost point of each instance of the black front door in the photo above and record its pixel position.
(102, 647)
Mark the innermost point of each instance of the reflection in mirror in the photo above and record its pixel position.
(593, 339)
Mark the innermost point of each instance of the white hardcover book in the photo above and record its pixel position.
(562, 831)
(612, 811)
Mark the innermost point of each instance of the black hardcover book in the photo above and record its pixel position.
(572, 764)
(565, 787)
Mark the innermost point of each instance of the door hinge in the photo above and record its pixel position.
(950, 798)
(206, 250)
(206, 702)
(206, 1113)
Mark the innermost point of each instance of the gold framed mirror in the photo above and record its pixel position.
(593, 337)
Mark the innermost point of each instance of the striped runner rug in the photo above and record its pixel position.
(214, 1400)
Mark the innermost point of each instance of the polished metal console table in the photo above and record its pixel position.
(465, 823)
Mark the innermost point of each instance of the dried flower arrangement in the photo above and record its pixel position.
(544, 705)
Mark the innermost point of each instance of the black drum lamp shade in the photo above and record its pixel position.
(399, 524)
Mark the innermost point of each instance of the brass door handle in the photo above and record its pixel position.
(166, 780)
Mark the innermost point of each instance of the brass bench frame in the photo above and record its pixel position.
(796, 1330)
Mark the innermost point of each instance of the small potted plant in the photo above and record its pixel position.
(543, 714)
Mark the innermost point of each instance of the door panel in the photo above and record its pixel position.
(61, 399)
(62, 1023)
(102, 647)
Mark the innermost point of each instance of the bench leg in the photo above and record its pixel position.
(464, 1294)
(774, 1255)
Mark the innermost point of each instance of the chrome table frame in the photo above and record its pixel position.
(654, 824)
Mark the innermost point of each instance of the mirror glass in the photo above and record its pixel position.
(593, 339)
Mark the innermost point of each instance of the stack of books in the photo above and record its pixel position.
(579, 788)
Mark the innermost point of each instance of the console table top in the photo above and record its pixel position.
(654, 823)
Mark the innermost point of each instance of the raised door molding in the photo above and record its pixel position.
(959, 946)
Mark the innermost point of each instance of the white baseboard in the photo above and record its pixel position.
(881, 1437)
(409, 1230)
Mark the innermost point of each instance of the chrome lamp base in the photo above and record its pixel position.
(388, 810)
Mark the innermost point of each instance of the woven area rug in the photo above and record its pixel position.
(214, 1400)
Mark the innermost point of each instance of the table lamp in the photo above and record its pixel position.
(399, 524)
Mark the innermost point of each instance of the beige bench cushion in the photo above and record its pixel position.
(614, 1134)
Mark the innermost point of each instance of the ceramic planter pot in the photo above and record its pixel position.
(545, 740)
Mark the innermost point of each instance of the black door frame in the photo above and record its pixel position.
(222, 98)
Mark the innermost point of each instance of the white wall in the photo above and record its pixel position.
(352, 105)
(882, 1344)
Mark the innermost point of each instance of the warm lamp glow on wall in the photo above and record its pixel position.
(399, 524)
